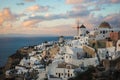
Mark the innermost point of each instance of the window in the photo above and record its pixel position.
(68, 75)
(70, 56)
(71, 74)
(56, 73)
(68, 66)
(68, 71)
(103, 35)
(61, 73)
(107, 52)
(103, 32)
(119, 45)
(66, 56)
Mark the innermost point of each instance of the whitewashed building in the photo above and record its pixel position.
(78, 43)
(103, 31)
(82, 32)
(106, 53)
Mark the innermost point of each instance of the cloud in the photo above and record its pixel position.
(29, 0)
(65, 29)
(6, 15)
(30, 23)
(7, 28)
(112, 1)
(21, 3)
(36, 8)
(74, 1)
(115, 1)
(69, 14)
(113, 19)
(49, 17)
(74, 14)
(77, 11)
(91, 1)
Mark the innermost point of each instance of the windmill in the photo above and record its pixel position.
(77, 27)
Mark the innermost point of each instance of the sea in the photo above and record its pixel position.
(9, 45)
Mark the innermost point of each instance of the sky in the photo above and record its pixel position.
(55, 17)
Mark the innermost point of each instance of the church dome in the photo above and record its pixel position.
(82, 26)
(104, 25)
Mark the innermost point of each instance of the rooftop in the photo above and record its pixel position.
(82, 26)
(104, 25)
(66, 65)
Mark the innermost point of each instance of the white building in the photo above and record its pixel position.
(78, 42)
(82, 32)
(77, 56)
(103, 31)
(60, 70)
(107, 53)
(65, 70)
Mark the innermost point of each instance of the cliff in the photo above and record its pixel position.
(13, 60)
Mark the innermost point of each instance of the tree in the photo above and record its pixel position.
(86, 75)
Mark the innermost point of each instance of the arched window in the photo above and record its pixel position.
(103, 32)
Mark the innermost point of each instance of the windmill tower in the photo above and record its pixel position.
(77, 28)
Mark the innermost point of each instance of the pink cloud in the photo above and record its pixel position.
(29, 0)
(79, 8)
(6, 15)
(65, 29)
(115, 1)
(7, 27)
(95, 2)
(30, 23)
(35, 8)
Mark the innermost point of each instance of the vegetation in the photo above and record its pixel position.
(87, 75)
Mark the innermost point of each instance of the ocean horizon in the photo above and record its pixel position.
(9, 45)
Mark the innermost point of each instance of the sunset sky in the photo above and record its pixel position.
(55, 17)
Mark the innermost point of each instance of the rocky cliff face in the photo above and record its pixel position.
(53, 51)
(13, 60)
